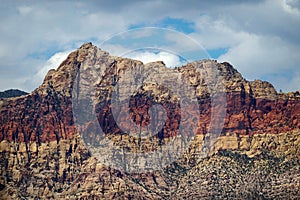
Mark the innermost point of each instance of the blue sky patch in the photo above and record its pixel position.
(216, 53)
(181, 25)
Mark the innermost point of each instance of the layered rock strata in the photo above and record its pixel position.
(255, 156)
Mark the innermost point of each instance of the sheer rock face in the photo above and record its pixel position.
(43, 156)
(46, 113)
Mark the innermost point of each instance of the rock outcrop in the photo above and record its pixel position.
(255, 156)
(12, 93)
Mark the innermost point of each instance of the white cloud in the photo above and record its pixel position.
(184, 43)
(24, 10)
(216, 33)
(114, 49)
(287, 6)
(262, 37)
(169, 59)
(272, 59)
(52, 63)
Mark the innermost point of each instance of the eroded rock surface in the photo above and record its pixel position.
(43, 156)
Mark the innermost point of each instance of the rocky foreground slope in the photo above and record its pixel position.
(256, 154)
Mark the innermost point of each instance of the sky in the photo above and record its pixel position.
(260, 38)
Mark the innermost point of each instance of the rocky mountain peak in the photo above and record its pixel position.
(87, 45)
(62, 78)
(256, 155)
(263, 89)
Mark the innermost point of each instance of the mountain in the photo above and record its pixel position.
(12, 93)
(246, 143)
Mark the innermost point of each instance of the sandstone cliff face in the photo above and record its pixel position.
(256, 155)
